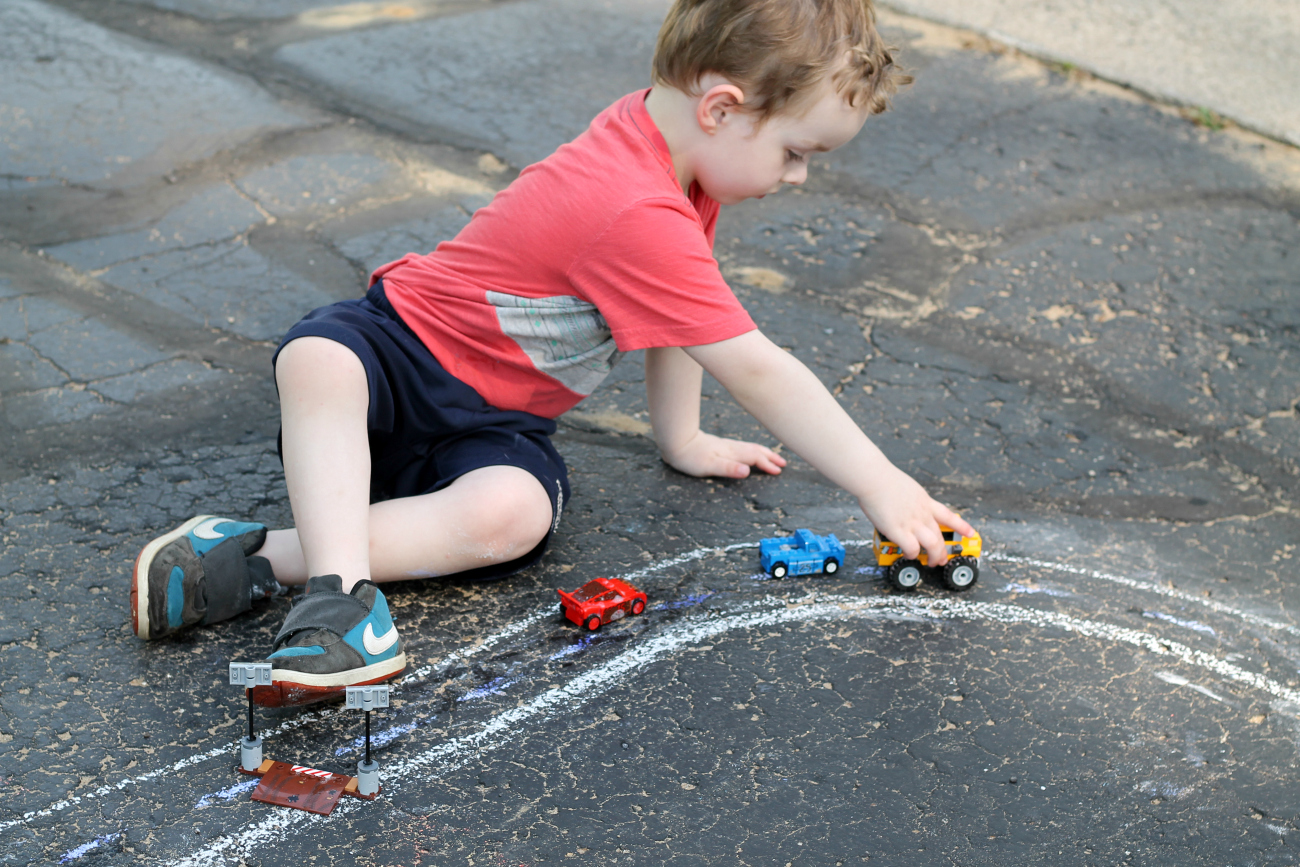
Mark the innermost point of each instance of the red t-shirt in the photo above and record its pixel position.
(592, 252)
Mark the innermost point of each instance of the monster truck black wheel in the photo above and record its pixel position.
(905, 574)
(961, 573)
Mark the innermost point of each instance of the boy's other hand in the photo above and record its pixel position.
(708, 455)
(905, 514)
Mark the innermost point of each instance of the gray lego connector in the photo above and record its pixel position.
(367, 778)
(250, 754)
(367, 698)
(249, 675)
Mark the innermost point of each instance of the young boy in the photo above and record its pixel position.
(415, 422)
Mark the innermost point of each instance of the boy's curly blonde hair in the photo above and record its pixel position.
(776, 51)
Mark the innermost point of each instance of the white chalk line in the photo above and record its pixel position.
(520, 625)
(453, 754)
(688, 557)
(283, 728)
(118, 786)
(1179, 680)
(1148, 587)
(508, 631)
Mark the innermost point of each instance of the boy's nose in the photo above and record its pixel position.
(796, 175)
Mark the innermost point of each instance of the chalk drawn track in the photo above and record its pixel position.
(1198, 674)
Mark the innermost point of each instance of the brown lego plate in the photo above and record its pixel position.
(303, 788)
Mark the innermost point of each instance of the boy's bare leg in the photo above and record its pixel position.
(490, 515)
(324, 397)
(343, 634)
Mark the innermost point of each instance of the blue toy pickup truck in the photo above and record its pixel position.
(801, 554)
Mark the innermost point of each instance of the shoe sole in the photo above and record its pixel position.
(140, 579)
(291, 688)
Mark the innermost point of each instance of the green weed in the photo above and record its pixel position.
(1211, 120)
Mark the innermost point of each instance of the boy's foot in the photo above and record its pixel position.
(196, 574)
(332, 640)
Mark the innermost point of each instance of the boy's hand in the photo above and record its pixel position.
(762, 376)
(708, 455)
(905, 514)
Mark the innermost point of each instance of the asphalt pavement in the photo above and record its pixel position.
(1068, 309)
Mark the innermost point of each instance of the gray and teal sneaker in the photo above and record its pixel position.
(202, 572)
(332, 640)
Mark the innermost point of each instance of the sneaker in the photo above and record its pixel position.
(332, 640)
(196, 574)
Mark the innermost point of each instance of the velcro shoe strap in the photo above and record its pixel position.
(226, 582)
(323, 609)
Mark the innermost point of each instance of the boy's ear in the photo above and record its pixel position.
(717, 103)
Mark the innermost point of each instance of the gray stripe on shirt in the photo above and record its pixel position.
(565, 337)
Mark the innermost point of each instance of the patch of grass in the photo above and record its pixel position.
(1202, 116)
(1067, 70)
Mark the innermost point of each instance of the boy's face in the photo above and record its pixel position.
(747, 161)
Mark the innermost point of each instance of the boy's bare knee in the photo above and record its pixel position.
(525, 514)
(317, 360)
(514, 512)
(315, 356)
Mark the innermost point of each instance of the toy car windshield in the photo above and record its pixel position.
(592, 590)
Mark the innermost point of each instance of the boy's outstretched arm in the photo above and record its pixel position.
(673, 382)
(791, 402)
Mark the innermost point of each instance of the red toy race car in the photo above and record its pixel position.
(601, 601)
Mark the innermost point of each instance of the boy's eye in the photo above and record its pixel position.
(793, 157)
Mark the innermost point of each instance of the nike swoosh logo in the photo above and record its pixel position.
(376, 645)
(208, 529)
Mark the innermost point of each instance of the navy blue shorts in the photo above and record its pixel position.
(427, 428)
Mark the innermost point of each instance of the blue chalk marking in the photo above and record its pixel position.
(227, 794)
(387, 736)
(577, 647)
(1014, 587)
(73, 854)
(1186, 624)
(495, 687)
(685, 602)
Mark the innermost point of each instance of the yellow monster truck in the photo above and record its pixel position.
(960, 573)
